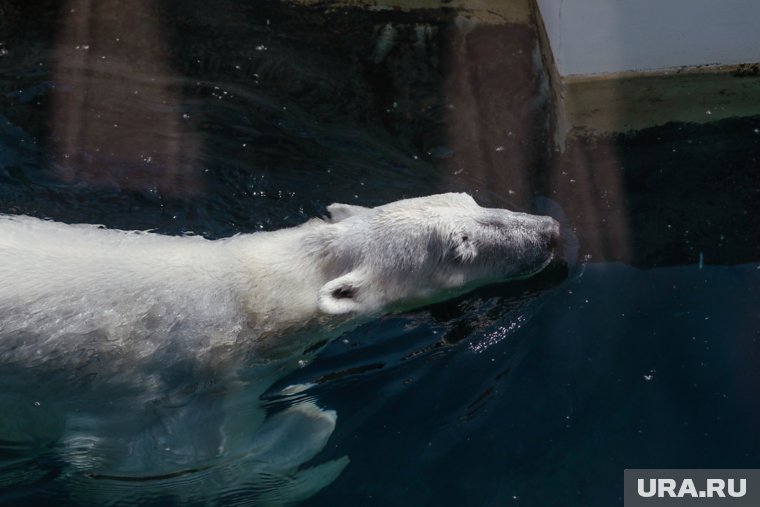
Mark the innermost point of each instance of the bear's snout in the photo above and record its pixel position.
(550, 233)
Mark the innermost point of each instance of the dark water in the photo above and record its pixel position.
(224, 118)
(618, 368)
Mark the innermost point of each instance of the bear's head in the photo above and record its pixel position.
(416, 251)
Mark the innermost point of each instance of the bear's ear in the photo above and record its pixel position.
(464, 248)
(339, 211)
(341, 295)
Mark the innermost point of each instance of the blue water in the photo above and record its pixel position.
(537, 393)
(617, 368)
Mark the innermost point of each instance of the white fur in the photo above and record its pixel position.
(140, 296)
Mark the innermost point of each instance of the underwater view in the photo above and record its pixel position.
(638, 346)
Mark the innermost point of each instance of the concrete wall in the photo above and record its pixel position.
(605, 36)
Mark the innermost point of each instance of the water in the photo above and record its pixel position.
(619, 368)
(254, 118)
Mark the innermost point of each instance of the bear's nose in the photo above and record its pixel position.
(551, 233)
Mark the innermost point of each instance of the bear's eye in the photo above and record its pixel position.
(343, 293)
(465, 237)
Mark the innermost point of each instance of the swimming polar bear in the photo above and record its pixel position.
(102, 308)
(263, 294)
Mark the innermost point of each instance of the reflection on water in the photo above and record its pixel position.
(117, 116)
(173, 116)
(107, 447)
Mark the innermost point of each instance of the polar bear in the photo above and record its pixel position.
(261, 293)
(143, 310)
